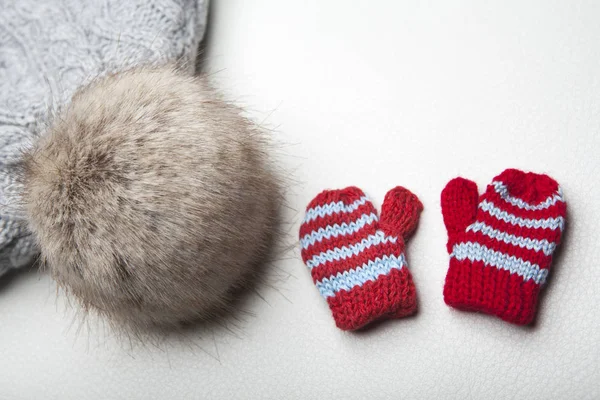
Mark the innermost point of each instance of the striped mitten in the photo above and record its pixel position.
(357, 260)
(501, 243)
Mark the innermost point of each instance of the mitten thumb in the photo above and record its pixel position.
(400, 212)
(459, 207)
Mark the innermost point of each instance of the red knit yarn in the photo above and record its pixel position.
(356, 260)
(501, 243)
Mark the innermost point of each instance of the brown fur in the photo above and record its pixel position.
(151, 198)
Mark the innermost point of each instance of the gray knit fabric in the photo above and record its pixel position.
(50, 47)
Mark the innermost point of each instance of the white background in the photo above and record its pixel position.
(374, 94)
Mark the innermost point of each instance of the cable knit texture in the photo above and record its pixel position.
(356, 260)
(501, 244)
(49, 48)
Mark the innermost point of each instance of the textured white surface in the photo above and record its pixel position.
(374, 94)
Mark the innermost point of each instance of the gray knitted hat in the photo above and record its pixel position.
(49, 48)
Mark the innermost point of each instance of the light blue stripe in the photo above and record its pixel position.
(523, 242)
(502, 261)
(333, 208)
(502, 190)
(359, 276)
(337, 230)
(551, 223)
(349, 251)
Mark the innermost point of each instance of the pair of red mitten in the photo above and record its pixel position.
(500, 246)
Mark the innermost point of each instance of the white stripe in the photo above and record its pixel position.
(359, 276)
(337, 230)
(478, 252)
(349, 251)
(526, 243)
(550, 223)
(333, 208)
(502, 190)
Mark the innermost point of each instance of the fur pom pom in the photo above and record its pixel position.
(151, 198)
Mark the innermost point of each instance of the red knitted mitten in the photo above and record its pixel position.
(356, 260)
(501, 243)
